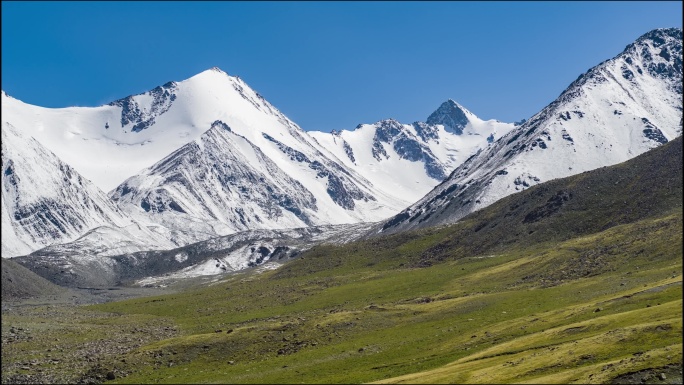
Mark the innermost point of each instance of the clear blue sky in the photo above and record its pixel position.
(327, 65)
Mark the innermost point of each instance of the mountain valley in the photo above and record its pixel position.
(584, 291)
(195, 234)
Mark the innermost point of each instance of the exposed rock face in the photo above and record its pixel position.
(408, 146)
(140, 117)
(451, 115)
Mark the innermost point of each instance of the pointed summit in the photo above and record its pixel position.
(660, 36)
(216, 69)
(214, 73)
(452, 116)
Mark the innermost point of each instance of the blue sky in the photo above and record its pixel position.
(326, 65)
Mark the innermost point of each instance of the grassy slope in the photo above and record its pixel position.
(495, 298)
(365, 323)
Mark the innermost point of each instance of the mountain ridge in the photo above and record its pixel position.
(409, 159)
(616, 110)
(213, 170)
(254, 143)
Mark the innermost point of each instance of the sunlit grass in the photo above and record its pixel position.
(458, 321)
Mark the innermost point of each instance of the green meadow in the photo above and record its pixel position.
(583, 294)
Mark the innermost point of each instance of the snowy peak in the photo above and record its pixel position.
(216, 69)
(656, 54)
(452, 116)
(660, 51)
(133, 133)
(615, 111)
(193, 159)
(407, 160)
(660, 37)
(139, 112)
(221, 179)
(217, 84)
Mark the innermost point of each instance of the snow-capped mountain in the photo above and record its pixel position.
(208, 156)
(222, 182)
(408, 160)
(113, 142)
(45, 200)
(225, 182)
(613, 112)
(203, 157)
(220, 159)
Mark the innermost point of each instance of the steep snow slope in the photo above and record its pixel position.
(99, 142)
(111, 143)
(45, 200)
(306, 185)
(408, 160)
(225, 182)
(615, 111)
(222, 183)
